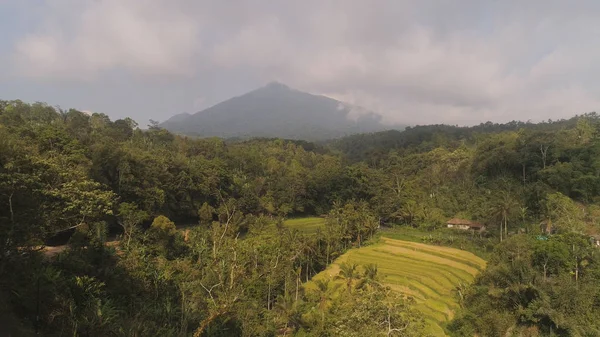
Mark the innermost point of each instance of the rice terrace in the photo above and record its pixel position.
(430, 274)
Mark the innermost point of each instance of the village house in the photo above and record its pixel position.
(464, 224)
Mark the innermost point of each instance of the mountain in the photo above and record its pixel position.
(180, 117)
(276, 110)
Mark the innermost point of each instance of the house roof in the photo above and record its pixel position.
(457, 221)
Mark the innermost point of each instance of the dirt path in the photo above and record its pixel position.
(50, 251)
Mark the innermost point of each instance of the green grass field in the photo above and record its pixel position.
(430, 274)
(305, 225)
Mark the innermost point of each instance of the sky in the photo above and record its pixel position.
(412, 61)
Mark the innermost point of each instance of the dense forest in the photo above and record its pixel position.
(175, 236)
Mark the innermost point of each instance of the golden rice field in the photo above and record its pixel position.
(430, 274)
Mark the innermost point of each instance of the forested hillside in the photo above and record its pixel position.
(114, 194)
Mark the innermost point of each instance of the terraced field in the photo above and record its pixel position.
(305, 225)
(428, 273)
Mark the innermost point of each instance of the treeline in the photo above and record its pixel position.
(421, 138)
(519, 178)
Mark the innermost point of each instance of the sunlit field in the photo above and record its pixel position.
(430, 274)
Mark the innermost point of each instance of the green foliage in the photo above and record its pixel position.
(129, 218)
(162, 224)
(563, 214)
(70, 177)
(542, 286)
(206, 214)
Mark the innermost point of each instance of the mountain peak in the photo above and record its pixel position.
(277, 110)
(179, 117)
(276, 85)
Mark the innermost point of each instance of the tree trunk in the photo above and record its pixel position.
(204, 324)
(269, 297)
(298, 283)
(307, 273)
(544, 151)
(183, 327)
(7, 243)
(128, 238)
(545, 274)
(10, 206)
(232, 275)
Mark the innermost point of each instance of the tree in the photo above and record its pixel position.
(129, 218)
(162, 223)
(81, 201)
(206, 214)
(324, 293)
(552, 256)
(562, 213)
(348, 272)
(370, 277)
(503, 208)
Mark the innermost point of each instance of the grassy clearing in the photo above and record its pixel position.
(430, 274)
(305, 225)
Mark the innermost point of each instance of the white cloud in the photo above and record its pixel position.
(454, 62)
(143, 36)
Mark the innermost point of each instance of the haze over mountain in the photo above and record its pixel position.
(276, 110)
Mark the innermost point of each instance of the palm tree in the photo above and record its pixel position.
(370, 277)
(409, 212)
(324, 292)
(349, 273)
(370, 272)
(288, 311)
(503, 208)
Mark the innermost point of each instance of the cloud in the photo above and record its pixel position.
(459, 63)
(81, 41)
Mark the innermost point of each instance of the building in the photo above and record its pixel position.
(464, 224)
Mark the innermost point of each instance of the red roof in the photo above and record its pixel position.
(457, 221)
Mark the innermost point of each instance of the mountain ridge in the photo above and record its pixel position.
(276, 110)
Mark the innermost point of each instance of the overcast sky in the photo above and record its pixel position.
(417, 62)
